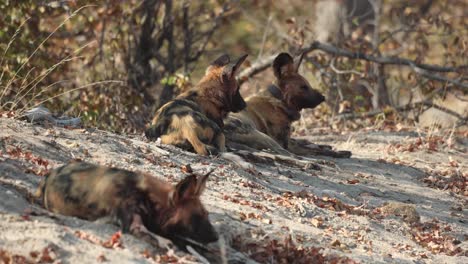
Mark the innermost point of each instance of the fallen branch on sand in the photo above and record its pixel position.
(42, 114)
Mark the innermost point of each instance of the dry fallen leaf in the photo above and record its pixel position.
(186, 168)
(146, 253)
(317, 221)
(353, 181)
(114, 241)
(284, 251)
(47, 255)
(335, 243)
(101, 258)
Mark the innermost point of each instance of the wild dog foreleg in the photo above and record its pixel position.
(220, 142)
(197, 144)
(126, 212)
(138, 229)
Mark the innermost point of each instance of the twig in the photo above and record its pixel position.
(338, 71)
(256, 68)
(41, 114)
(209, 33)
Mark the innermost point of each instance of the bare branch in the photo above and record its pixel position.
(209, 33)
(168, 27)
(436, 77)
(338, 71)
(187, 34)
(256, 68)
(266, 62)
(382, 60)
(427, 103)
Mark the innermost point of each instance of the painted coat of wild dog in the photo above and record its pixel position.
(194, 120)
(139, 202)
(266, 121)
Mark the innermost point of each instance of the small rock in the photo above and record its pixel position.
(406, 211)
(336, 243)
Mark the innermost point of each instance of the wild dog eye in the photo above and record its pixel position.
(304, 87)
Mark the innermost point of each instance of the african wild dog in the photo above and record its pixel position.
(266, 121)
(194, 120)
(139, 202)
(272, 111)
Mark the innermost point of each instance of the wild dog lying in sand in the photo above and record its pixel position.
(138, 201)
(266, 121)
(194, 120)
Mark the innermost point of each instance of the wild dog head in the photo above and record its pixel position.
(188, 217)
(296, 90)
(220, 83)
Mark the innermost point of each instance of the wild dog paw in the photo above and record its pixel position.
(212, 151)
(137, 226)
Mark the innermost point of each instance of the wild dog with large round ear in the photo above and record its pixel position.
(295, 90)
(229, 76)
(138, 201)
(194, 120)
(266, 121)
(272, 111)
(222, 73)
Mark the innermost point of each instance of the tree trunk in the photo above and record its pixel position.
(380, 96)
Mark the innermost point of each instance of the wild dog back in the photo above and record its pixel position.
(195, 118)
(91, 191)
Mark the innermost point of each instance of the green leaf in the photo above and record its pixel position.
(169, 80)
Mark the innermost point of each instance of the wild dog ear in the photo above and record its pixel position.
(184, 189)
(283, 64)
(221, 61)
(230, 71)
(298, 61)
(201, 183)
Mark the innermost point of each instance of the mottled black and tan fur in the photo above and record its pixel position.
(266, 121)
(138, 201)
(194, 120)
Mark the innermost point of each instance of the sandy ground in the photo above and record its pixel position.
(402, 198)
